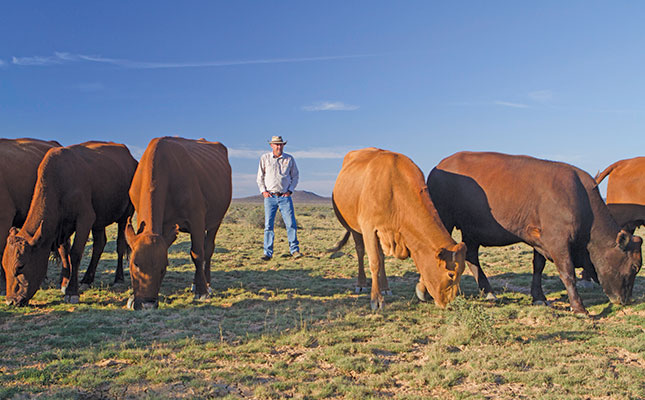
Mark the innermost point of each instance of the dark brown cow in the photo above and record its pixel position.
(381, 198)
(498, 199)
(183, 185)
(19, 160)
(79, 188)
(626, 192)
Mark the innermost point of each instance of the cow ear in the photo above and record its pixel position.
(35, 240)
(171, 235)
(130, 236)
(623, 239)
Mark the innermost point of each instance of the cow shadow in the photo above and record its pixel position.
(591, 293)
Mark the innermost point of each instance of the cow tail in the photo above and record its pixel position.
(602, 175)
(340, 244)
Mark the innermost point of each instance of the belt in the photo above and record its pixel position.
(277, 193)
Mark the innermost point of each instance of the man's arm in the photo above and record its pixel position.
(294, 173)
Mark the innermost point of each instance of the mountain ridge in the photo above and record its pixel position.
(299, 196)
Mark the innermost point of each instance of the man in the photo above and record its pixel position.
(277, 179)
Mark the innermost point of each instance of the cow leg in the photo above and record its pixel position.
(566, 269)
(209, 248)
(472, 256)
(121, 249)
(5, 225)
(382, 277)
(361, 283)
(99, 240)
(375, 258)
(83, 226)
(197, 254)
(66, 266)
(536, 285)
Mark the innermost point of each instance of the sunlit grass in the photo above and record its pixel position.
(295, 328)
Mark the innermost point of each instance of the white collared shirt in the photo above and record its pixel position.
(277, 174)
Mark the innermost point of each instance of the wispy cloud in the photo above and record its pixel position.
(509, 104)
(541, 96)
(2, 63)
(298, 154)
(330, 106)
(64, 58)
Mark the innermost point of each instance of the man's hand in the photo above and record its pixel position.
(266, 194)
(287, 194)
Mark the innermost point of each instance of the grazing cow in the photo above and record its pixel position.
(381, 198)
(19, 159)
(180, 185)
(79, 188)
(626, 192)
(498, 199)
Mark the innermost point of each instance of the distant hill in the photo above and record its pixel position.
(299, 196)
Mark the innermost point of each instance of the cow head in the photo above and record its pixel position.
(25, 265)
(623, 261)
(148, 263)
(441, 276)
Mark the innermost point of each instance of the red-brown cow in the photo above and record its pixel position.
(626, 192)
(381, 198)
(497, 199)
(79, 188)
(184, 185)
(19, 160)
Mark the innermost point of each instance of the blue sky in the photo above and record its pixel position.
(551, 79)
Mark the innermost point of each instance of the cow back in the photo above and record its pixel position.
(178, 177)
(19, 160)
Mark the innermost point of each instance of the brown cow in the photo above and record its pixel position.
(19, 159)
(184, 185)
(497, 199)
(79, 188)
(626, 192)
(381, 198)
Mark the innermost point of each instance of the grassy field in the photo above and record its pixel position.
(295, 329)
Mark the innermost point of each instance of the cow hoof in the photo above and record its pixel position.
(63, 289)
(359, 289)
(83, 287)
(420, 290)
(377, 304)
(130, 304)
(540, 303)
(118, 283)
(71, 299)
(192, 288)
(210, 290)
(386, 292)
(491, 296)
(202, 297)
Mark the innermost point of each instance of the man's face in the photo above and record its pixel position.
(278, 148)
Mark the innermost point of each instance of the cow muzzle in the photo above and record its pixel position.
(139, 304)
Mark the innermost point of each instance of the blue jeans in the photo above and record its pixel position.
(271, 205)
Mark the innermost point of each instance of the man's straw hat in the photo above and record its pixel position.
(277, 140)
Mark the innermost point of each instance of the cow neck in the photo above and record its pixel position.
(423, 230)
(152, 206)
(45, 207)
(604, 229)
